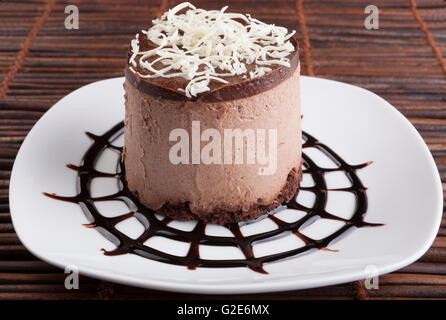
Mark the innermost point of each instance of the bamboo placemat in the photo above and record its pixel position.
(41, 61)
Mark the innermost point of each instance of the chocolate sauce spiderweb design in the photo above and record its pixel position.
(156, 227)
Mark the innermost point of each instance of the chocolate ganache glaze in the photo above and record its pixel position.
(160, 227)
(236, 88)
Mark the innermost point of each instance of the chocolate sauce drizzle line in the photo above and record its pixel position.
(155, 227)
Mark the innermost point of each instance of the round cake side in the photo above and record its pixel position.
(217, 192)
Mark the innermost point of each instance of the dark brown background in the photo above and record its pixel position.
(41, 61)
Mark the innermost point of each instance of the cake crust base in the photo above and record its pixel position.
(220, 216)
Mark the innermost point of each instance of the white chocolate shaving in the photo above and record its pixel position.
(203, 46)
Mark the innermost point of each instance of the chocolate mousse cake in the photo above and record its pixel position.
(213, 120)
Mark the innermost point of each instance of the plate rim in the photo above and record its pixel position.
(274, 285)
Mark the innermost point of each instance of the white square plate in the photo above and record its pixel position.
(404, 193)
